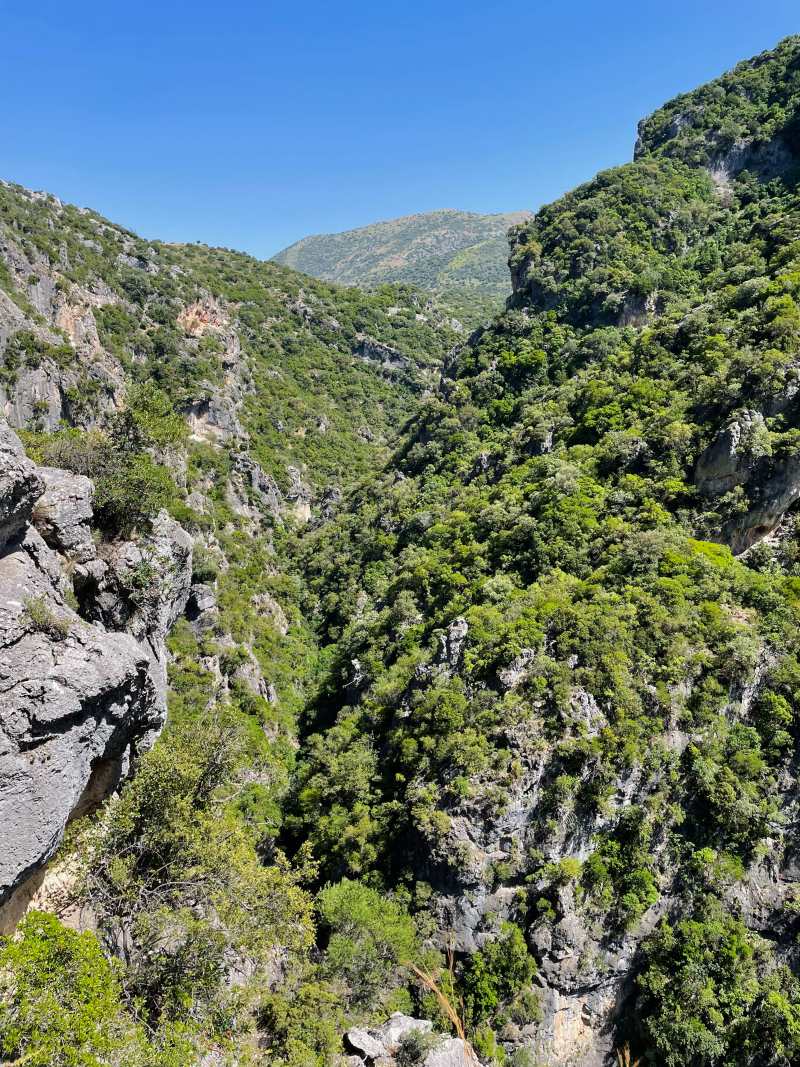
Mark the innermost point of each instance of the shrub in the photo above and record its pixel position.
(496, 973)
(371, 940)
(45, 620)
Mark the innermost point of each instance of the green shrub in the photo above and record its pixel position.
(44, 619)
(372, 939)
(496, 973)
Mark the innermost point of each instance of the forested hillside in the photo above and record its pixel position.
(483, 707)
(458, 255)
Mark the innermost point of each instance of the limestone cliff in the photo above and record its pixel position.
(82, 691)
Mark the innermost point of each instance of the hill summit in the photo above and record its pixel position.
(458, 253)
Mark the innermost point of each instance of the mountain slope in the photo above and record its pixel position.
(570, 671)
(491, 660)
(153, 383)
(456, 253)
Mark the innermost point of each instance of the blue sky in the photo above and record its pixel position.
(251, 124)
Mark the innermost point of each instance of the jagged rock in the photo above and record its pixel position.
(64, 512)
(452, 1052)
(35, 401)
(213, 418)
(366, 1043)
(731, 457)
(201, 606)
(76, 700)
(451, 643)
(372, 351)
(331, 498)
(379, 1046)
(141, 587)
(264, 486)
(587, 712)
(740, 455)
(511, 676)
(20, 485)
(770, 499)
(397, 1026)
(249, 675)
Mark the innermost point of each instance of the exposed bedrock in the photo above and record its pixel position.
(78, 697)
(741, 455)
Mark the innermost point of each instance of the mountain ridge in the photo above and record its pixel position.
(455, 254)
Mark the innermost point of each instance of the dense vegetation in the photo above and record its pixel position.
(526, 695)
(459, 256)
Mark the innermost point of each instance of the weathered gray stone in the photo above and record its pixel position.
(75, 701)
(387, 358)
(143, 590)
(731, 457)
(366, 1043)
(20, 485)
(452, 1052)
(397, 1026)
(451, 643)
(64, 512)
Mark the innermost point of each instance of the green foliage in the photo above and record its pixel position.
(62, 1005)
(619, 874)
(372, 939)
(414, 1047)
(530, 601)
(704, 996)
(174, 865)
(755, 101)
(44, 619)
(496, 974)
(459, 256)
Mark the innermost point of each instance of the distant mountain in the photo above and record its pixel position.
(456, 253)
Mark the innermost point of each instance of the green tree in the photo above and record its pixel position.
(372, 939)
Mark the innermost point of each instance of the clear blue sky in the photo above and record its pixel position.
(251, 124)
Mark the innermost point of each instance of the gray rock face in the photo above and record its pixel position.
(259, 482)
(731, 457)
(78, 699)
(740, 455)
(451, 643)
(452, 1052)
(20, 485)
(75, 701)
(380, 1046)
(63, 513)
(388, 358)
(141, 588)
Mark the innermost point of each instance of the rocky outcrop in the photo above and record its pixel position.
(141, 588)
(63, 513)
(732, 456)
(383, 1046)
(20, 486)
(251, 482)
(387, 358)
(79, 695)
(741, 455)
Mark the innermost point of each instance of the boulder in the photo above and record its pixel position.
(63, 514)
(365, 1042)
(452, 1052)
(397, 1026)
